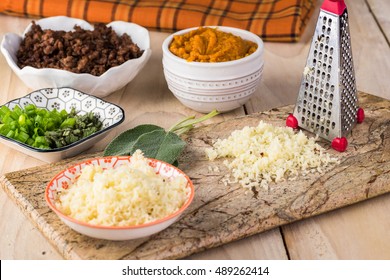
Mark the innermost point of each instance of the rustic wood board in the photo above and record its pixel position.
(220, 214)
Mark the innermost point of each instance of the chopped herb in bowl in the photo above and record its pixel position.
(44, 129)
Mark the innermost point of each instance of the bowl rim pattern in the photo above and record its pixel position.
(212, 86)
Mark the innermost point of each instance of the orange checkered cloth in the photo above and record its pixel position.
(272, 20)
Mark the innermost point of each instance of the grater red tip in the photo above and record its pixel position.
(334, 6)
(360, 115)
(292, 121)
(340, 144)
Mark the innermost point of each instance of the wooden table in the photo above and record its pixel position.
(360, 231)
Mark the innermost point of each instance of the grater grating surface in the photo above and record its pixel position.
(327, 102)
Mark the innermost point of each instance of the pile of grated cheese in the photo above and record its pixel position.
(266, 153)
(126, 195)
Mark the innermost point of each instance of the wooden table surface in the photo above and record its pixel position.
(360, 231)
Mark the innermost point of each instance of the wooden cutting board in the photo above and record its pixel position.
(220, 214)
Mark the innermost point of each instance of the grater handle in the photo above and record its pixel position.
(334, 6)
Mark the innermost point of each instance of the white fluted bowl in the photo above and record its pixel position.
(100, 86)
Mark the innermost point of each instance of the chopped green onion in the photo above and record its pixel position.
(22, 119)
(10, 134)
(68, 123)
(22, 137)
(4, 129)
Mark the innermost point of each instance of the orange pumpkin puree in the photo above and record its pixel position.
(207, 44)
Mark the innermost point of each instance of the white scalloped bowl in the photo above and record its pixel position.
(205, 86)
(100, 86)
(65, 177)
(109, 114)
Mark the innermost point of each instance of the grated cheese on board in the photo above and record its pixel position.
(266, 153)
(129, 194)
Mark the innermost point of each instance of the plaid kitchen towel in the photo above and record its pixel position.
(272, 20)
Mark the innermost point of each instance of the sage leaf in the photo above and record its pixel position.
(161, 145)
(154, 141)
(123, 144)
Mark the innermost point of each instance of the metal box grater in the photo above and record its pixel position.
(327, 102)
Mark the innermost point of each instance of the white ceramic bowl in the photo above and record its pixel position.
(205, 86)
(100, 86)
(110, 114)
(111, 232)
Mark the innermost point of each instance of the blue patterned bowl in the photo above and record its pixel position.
(109, 114)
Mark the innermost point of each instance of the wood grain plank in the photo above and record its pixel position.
(371, 52)
(16, 227)
(381, 10)
(259, 247)
(357, 232)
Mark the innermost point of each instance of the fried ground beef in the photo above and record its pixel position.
(79, 51)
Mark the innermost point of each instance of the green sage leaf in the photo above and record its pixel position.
(124, 142)
(154, 141)
(161, 145)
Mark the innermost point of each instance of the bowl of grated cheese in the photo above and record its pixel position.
(120, 197)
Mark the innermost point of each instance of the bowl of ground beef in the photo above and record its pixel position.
(67, 52)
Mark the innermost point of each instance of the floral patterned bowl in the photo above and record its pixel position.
(63, 179)
(109, 114)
